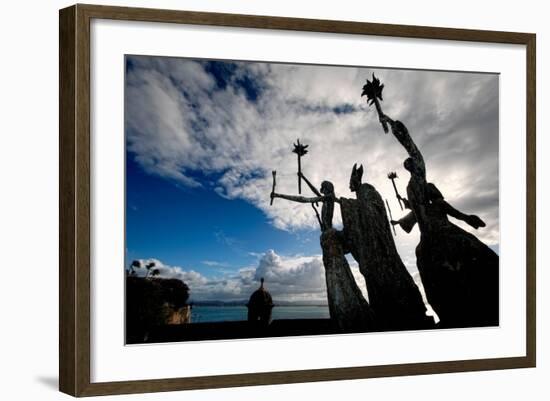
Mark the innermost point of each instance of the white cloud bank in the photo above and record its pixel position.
(294, 279)
(180, 120)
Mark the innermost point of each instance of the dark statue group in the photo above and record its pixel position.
(459, 273)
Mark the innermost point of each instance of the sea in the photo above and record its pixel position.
(231, 313)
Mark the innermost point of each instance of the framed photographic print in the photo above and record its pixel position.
(347, 200)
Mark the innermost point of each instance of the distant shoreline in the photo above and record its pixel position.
(217, 313)
(230, 304)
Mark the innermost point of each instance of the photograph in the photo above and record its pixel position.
(270, 199)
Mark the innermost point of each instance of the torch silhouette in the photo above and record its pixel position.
(373, 91)
(300, 150)
(391, 218)
(274, 174)
(392, 176)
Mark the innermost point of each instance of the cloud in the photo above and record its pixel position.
(166, 271)
(233, 123)
(292, 278)
(213, 263)
(287, 278)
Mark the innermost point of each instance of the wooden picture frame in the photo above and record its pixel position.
(74, 199)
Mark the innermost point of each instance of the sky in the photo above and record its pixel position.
(203, 137)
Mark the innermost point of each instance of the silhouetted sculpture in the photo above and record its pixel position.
(393, 296)
(326, 196)
(460, 274)
(300, 150)
(260, 306)
(348, 308)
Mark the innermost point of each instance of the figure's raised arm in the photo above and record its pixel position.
(309, 184)
(401, 133)
(299, 199)
(373, 91)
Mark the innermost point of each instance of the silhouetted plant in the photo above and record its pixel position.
(136, 264)
(149, 303)
(175, 292)
(144, 307)
(149, 266)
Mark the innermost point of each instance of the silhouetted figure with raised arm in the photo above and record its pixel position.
(460, 274)
(348, 308)
(326, 196)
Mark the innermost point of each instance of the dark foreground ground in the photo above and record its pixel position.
(234, 330)
(243, 329)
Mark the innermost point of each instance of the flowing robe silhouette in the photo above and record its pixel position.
(393, 296)
(460, 273)
(348, 308)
